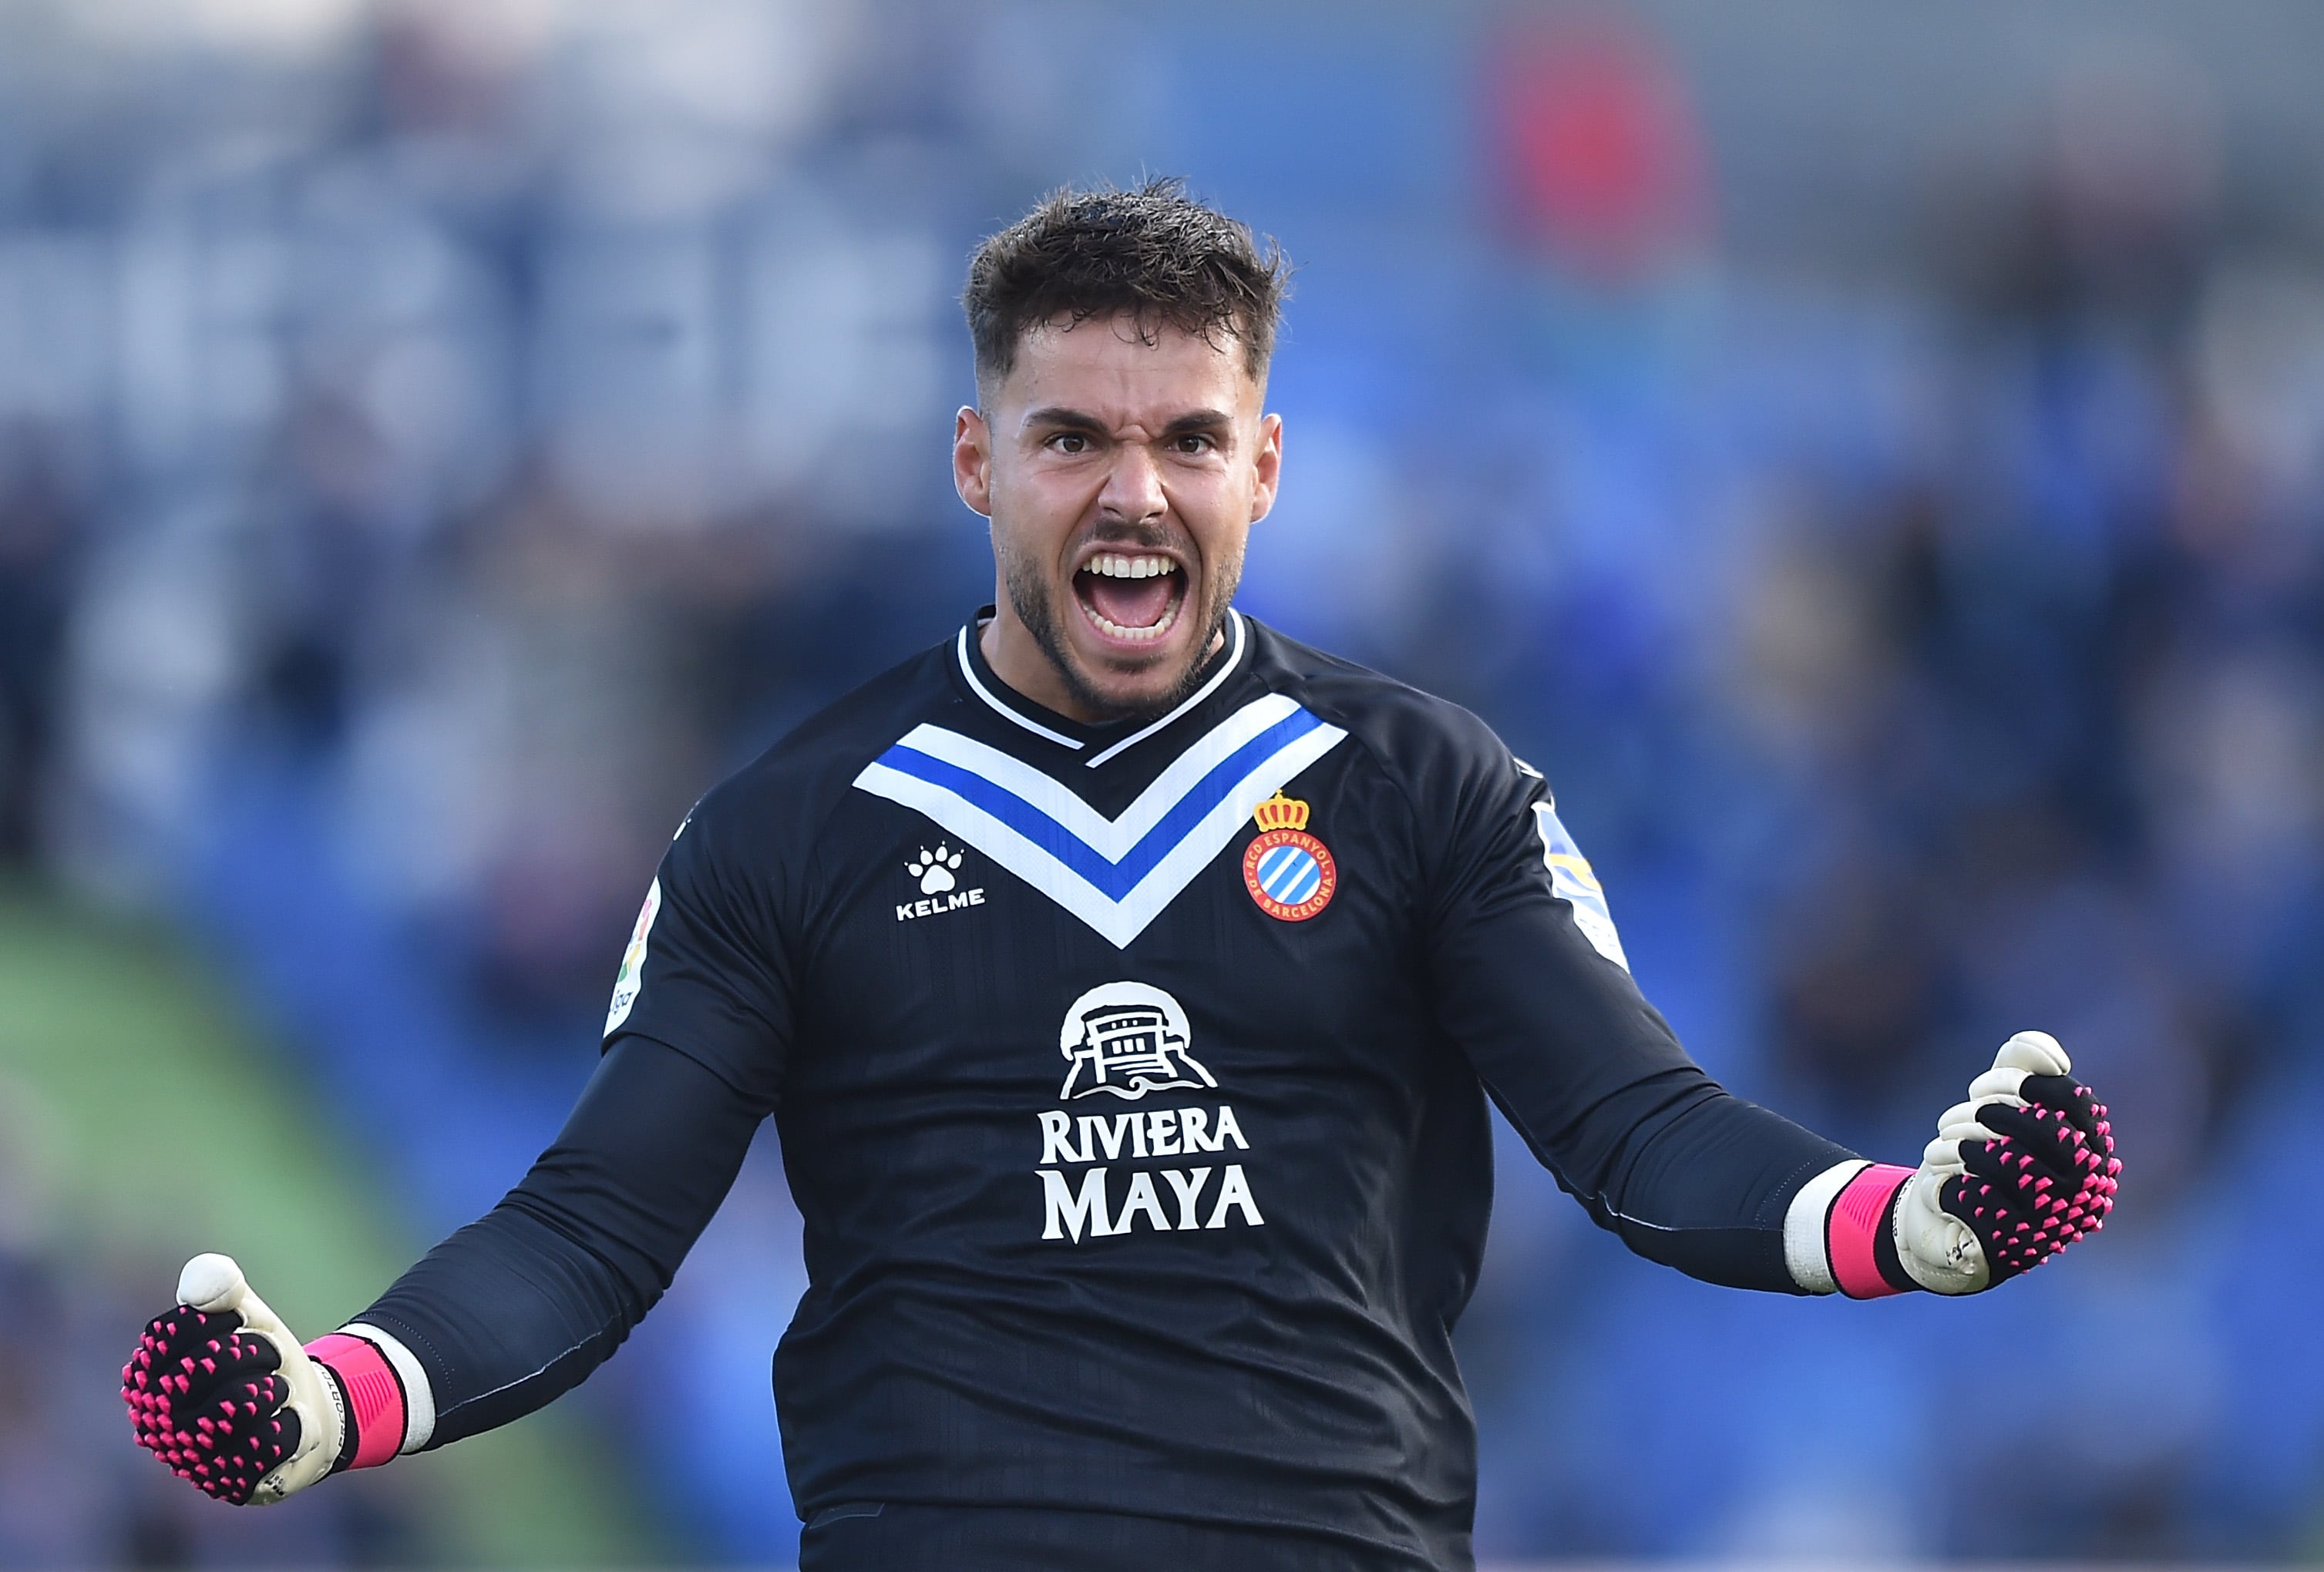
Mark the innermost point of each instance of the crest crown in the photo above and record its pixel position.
(1281, 812)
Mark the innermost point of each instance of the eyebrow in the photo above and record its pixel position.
(1059, 418)
(1199, 420)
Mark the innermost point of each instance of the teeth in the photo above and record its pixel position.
(1115, 565)
(1109, 626)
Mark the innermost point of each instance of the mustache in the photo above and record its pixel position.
(1151, 536)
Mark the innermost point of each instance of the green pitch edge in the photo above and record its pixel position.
(119, 1061)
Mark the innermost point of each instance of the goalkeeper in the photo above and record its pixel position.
(1129, 983)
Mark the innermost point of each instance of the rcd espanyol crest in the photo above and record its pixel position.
(1288, 872)
(1127, 1039)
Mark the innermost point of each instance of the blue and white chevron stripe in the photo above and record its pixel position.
(1116, 875)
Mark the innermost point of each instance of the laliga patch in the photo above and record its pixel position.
(1288, 872)
(631, 976)
(1572, 881)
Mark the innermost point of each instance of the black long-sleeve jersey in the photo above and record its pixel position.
(1132, 1083)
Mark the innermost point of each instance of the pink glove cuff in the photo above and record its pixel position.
(1852, 1230)
(375, 1395)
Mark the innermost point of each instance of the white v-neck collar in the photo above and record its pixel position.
(1006, 711)
(1237, 644)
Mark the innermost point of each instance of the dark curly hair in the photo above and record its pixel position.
(1153, 252)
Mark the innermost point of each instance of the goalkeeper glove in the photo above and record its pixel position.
(220, 1390)
(2021, 1169)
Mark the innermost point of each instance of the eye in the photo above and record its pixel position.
(1069, 442)
(1192, 444)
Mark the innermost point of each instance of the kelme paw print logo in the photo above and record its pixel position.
(935, 869)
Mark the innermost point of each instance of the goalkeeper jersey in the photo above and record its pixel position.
(1133, 1085)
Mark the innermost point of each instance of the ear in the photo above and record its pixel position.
(972, 460)
(1267, 468)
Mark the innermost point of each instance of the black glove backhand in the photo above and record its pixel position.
(2046, 1179)
(208, 1398)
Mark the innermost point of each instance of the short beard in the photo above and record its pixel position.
(1029, 596)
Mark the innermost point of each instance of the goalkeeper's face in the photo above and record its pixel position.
(1123, 471)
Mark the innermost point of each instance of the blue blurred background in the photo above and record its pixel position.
(1871, 457)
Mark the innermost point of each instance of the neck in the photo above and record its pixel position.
(1018, 659)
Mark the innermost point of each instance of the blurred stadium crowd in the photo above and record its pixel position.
(1883, 490)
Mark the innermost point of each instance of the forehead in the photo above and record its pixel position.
(1116, 368)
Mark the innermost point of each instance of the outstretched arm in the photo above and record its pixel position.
(514, 1309)
(1533, 983)
(493, 1323)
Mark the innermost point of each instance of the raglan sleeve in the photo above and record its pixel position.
(708, 971)
(1530, 979)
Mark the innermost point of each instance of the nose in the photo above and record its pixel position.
(1133, 486)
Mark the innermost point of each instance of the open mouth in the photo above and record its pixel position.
(1133, 597)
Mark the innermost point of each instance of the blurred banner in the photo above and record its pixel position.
(1872, 459)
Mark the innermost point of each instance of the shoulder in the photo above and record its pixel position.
(783, 797)
(1429, 745)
